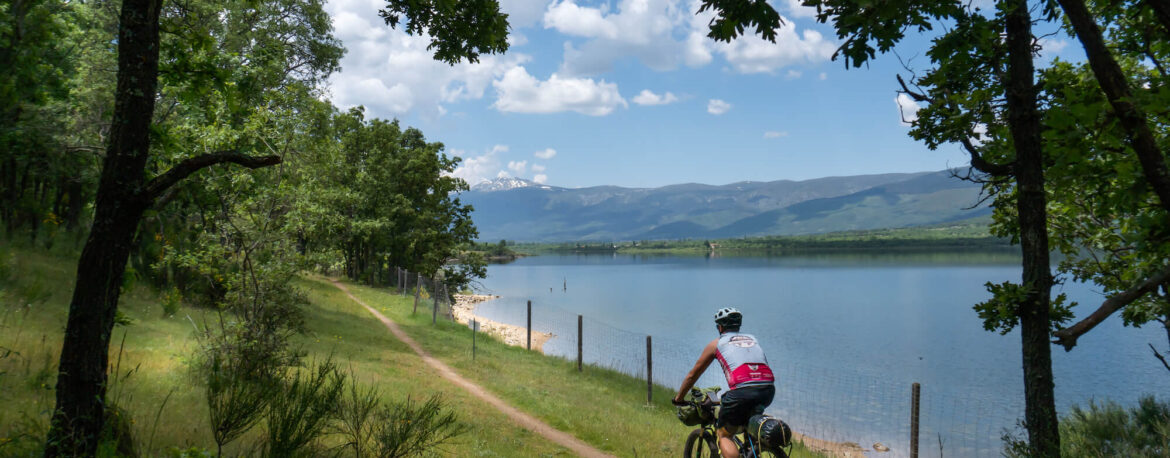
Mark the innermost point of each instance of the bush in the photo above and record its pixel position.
(407, 428)
(1108, 429)
(302, 411)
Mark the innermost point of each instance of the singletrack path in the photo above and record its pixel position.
(527, 421)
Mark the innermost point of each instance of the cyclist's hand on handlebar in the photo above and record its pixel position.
(679, 402)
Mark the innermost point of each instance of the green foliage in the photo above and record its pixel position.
(1108, 429)
(1001, 313)
(733, 16)
(300, 413)
(380, 196)
(459, 30)
(408, 428)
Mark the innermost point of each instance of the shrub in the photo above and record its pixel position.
(407, 428)
(302, 411)
(1108, 429)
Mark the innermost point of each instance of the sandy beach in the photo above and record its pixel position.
(464, 311)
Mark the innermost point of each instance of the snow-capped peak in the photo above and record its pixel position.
(502, 184)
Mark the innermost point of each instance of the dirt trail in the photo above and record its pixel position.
(527, 421)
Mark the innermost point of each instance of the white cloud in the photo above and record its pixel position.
(475, 170)
(518, 166)
(523, 13)
(516, 39)
(643, 29)
(717, 107)
(907, 109)
(823, 76)
(547, 153)
(568, 18)
(649, 98)
(798, 10)
(793, 74)
(520, 92)
(1050, 47)
(540, 178)
(750, 53)
(538, 168)
(775, 134)
(393, 74)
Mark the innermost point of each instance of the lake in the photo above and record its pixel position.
(846, 334)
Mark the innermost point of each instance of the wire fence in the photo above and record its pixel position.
(839, 412)
(429, 292)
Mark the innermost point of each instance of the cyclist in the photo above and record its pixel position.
(749, 379)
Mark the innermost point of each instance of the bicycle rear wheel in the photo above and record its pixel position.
(701, 444)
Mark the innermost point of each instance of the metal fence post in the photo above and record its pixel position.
(649, 373)
(474, 327)
(915, 392)
(529, 325)
(579, 334)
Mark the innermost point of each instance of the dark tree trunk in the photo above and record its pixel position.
(81, 381)
(73, 205)
(1024, 121)
(1113, 83)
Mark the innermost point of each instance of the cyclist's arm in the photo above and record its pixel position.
(705, 359)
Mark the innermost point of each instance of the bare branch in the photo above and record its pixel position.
(191, 165)
(1160, 357)
(1067, 337)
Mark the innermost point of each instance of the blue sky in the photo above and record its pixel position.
(632, 93)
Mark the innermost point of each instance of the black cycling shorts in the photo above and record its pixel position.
(738, 405)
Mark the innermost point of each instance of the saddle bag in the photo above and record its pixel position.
(772, 433)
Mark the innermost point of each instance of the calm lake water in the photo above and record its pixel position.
(847, 335)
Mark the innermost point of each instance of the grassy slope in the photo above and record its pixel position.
(602, 407)
(158, 347)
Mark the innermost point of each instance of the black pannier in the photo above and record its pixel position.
(772, 433)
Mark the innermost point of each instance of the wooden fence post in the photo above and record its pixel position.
(529, 325)
(435, 292)
(417, 291)
(579, 335)
(915, 392)
(649, 373)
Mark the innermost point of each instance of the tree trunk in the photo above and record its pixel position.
(81, 380)
(1113, 83)
(1024, 121)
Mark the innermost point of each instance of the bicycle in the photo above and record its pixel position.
(702, 442)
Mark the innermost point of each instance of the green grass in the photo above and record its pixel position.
(156, 354)
(602, 407)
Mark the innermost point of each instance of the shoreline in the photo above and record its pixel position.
(464, 311)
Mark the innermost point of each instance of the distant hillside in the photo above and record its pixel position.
(515, 209)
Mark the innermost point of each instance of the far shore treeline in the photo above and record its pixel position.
(961, 236)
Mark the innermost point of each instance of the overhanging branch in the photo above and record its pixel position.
(1067, 337)
(191, 165)
(977, 160)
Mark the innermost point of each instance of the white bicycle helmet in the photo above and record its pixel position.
(728, 316)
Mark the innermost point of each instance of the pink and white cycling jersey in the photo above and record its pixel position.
(743, 361)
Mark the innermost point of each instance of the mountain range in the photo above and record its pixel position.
(516, 209)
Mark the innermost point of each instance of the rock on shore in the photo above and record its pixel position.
(464, 311)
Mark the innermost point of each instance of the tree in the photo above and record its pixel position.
(1118, 100)
(125, 191)
(983, 77)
